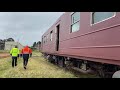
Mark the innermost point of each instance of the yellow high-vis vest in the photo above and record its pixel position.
(14, 52)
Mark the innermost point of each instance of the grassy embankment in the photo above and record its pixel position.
(37, 67)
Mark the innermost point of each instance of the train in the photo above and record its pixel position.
(85, 40)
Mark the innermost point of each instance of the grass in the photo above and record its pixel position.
(37, 67)
(4, 51)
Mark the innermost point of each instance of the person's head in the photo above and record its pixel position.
(26, 46)
(16, 46)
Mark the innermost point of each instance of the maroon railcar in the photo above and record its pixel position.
(89, 39)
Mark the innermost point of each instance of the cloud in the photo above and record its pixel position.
(26, 26)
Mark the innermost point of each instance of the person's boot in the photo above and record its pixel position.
(24, 67)
(12, 66)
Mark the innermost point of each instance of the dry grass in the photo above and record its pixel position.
(4, 51)
(37, 67)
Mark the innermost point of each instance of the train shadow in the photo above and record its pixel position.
(81, 74)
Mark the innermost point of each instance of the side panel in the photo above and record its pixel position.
(97, 41)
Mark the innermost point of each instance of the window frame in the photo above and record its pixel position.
(74, 23)
(44, 40)
(91, 19)
(50, 35)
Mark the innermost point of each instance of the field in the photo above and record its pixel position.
(4, 51)
(37, 67)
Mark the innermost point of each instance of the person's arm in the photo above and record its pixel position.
(21, 53)
(18, 52)
(30, 53)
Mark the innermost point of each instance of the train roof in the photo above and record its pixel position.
(54, 24)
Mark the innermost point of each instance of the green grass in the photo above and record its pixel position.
(4, 51)
(37, 67)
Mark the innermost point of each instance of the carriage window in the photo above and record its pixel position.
(51, 33)
(75, 21)
(100, 16)
(44, 39)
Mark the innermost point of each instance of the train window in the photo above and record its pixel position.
(75, 27)
(51, 34)
(75, 21)
(101, 16)
(44, 39)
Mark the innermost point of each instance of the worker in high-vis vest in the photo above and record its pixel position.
(26, 53)
(14, 52)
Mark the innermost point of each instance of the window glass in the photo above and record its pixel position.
(75, 21)
(51, 35)
(44, 39)
(75, 27)
(75, 17)
(99, 16)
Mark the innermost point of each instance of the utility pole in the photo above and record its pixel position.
(18, 41)
(5, 40)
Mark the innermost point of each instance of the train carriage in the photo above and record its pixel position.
(89, 40)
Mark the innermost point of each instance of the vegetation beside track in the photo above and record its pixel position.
(38, 67)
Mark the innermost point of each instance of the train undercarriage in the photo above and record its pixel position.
(84, 66)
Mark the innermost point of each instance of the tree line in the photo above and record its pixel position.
(36, 45)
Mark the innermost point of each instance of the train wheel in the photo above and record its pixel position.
(116, 74)
(101, 73)
(56, 60)
(61, 62)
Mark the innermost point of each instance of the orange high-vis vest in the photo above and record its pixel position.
(26, 50)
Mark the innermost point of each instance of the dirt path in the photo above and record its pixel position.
(3, 55)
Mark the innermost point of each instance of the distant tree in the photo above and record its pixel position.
(10, 39)
(39, 42)
(34, 44)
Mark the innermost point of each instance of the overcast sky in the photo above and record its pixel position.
(27, 27)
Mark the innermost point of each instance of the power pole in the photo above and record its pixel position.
(18, 42)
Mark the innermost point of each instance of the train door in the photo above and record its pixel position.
(57, 37)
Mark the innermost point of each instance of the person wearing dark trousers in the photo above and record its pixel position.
(25, 60)
(15, 54)
(14, 61)
(26, 54)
